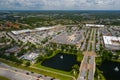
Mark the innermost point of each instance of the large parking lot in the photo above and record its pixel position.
(69, 38)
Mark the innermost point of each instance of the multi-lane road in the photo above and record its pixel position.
(85, 41)
(19, 74)
(88, 65)
(87, 68)
(15, 75)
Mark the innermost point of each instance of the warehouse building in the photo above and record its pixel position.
(112, 42)
(95, 25)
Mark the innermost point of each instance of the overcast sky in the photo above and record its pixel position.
(59, 4)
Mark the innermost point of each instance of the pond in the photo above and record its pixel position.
(61, 61)
(111, 70)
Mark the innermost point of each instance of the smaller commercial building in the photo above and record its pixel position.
(30, 56)
(112, 42)
(13, 49)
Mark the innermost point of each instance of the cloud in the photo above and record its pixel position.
(59, 4)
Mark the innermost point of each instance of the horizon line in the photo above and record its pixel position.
(59, 10)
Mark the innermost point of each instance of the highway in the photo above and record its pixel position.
(94, 40)
(85, 41)
(89, 42)
(15, 75)
(19, 74)
(88, 65)
(83, 69)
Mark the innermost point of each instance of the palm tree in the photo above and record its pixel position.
(75, 69)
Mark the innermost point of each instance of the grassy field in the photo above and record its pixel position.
(3, 78)
(42, 71)
(51, 69)
(80, 56)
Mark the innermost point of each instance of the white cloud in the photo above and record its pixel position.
(60, 4)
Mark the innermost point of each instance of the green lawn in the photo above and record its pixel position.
(80, 56)
(118, 60)
(51, 69)
(3, 78)
(59, 76)
(91, 46)
(93, 35)
(55, 70)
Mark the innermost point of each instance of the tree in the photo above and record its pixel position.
(75, 69)
(117, 55)
(39, 59)
(27, 64)
(106, 55)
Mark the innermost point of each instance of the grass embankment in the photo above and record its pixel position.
(3, 78)
(60, 75)
(93, 35)
(90, 47)
(65, 73)
(99, 72)
(80, 56)
(51, 69)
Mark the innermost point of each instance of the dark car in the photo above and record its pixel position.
(39, 76)
(27, 73)
(32, 72)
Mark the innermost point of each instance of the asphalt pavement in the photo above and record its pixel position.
(19, 74)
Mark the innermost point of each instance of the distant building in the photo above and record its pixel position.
(21, 31)
(112, 42)
(95, 25)
(33, 30)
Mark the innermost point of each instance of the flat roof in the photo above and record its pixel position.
(44, 28)
(30, 56)
(112, 40)
(30, 30)
(94, 25)
(21, 31)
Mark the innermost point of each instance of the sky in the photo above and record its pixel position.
(59, 4)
